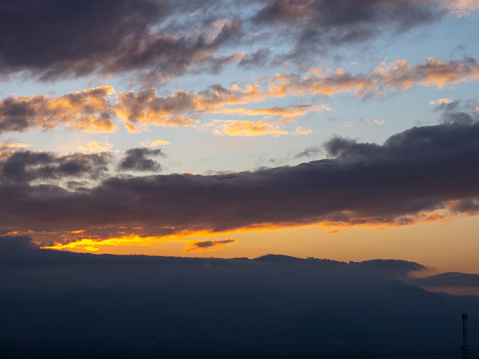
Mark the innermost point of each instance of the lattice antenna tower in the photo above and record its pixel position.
(465, 343)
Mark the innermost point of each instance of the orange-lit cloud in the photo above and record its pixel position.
(185, 108)
(155, 143)
(395, 76)
(302, 131)
(441, 101)
(145, 107)
(91, 245)
(76, 241)
(284, 113)
(11, 146)
(333, 231)
(250, 128)
(88, 110)
(181, 108)
(94, 146)
(461, 8)
(401, 76)
(245, 128)
(124, 236)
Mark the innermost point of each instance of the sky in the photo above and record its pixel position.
(346, 130)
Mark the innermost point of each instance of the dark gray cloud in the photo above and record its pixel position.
(158, 39)
(310, 151)
(256, 59)
(208, 245)
(412, 174)
(136, 160)
(459, 112)
(319, 24)
(25, 166)
(51, 39)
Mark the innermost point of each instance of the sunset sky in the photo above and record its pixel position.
(344, 129)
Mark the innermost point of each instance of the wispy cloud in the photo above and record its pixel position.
(461, 8)
(13, 145)
(95, 146)
(155, 143)
(136, 159)
(440, 101)
(92, 111)
(245, 128)
(158, 40)
(201, 246)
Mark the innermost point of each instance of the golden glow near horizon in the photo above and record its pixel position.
(438, 245)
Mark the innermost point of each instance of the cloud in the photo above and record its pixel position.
(136, 160)
(251, 128)
(396, 76)
(440, 101)
(201, 246)
(155, 143)
(433, 72)
(94, 146)
(461, 8)
(317, 25)
(26, 166)
(256, 59)
(333, 231)
(153, 41)
(88, 110)
(302, 131)
(49, 39)
(91, 111)
(282, 113)
(145, 107)
(12, 145)
(458, 112)
(185, 108)
(245, 128)
(423, 174)
(181, 108)
(310, 151)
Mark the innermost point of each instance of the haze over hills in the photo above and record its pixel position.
(272, 304)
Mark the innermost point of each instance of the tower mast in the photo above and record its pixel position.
(465, 344)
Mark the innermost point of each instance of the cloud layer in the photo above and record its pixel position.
(423, 174)
(94, 110)
(49, 39)
(160, 39)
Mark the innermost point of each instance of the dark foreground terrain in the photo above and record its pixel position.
(59, 305)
